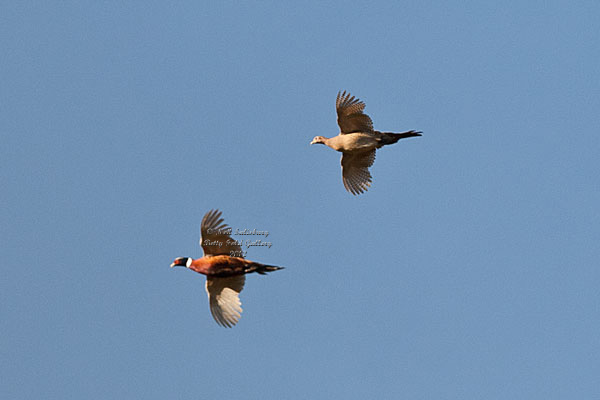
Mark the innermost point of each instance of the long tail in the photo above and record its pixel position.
(262, 268)
(391, 137)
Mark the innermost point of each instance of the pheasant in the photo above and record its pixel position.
(224, 267)
(357, 142)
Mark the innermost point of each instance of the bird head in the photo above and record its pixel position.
(182, 262)
(318, 139)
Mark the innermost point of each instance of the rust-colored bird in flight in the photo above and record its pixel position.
(225, 274)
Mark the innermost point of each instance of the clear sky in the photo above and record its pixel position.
(470, 270)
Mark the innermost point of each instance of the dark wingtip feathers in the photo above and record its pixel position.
(344, 100)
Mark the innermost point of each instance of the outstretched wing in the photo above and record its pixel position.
(224, 300)
(350, 114)
(215, 236)
(355, 171)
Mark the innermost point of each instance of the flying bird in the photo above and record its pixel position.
(357, 141)
(224, 267)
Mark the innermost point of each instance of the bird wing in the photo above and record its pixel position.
(350, 114)
(355, 171)
(215, 236)
(224, 300)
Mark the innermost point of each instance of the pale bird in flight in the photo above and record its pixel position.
(357, 142)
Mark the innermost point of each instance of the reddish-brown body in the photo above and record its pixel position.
(223, 265)
(225, 275)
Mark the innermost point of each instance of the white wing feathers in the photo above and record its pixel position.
(224, 300)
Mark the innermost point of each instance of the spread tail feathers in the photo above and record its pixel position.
(391, 137)
(262, 268)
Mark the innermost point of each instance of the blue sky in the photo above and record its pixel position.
(469, 269)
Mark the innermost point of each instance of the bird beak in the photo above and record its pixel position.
(313, 142)
(172, 265)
